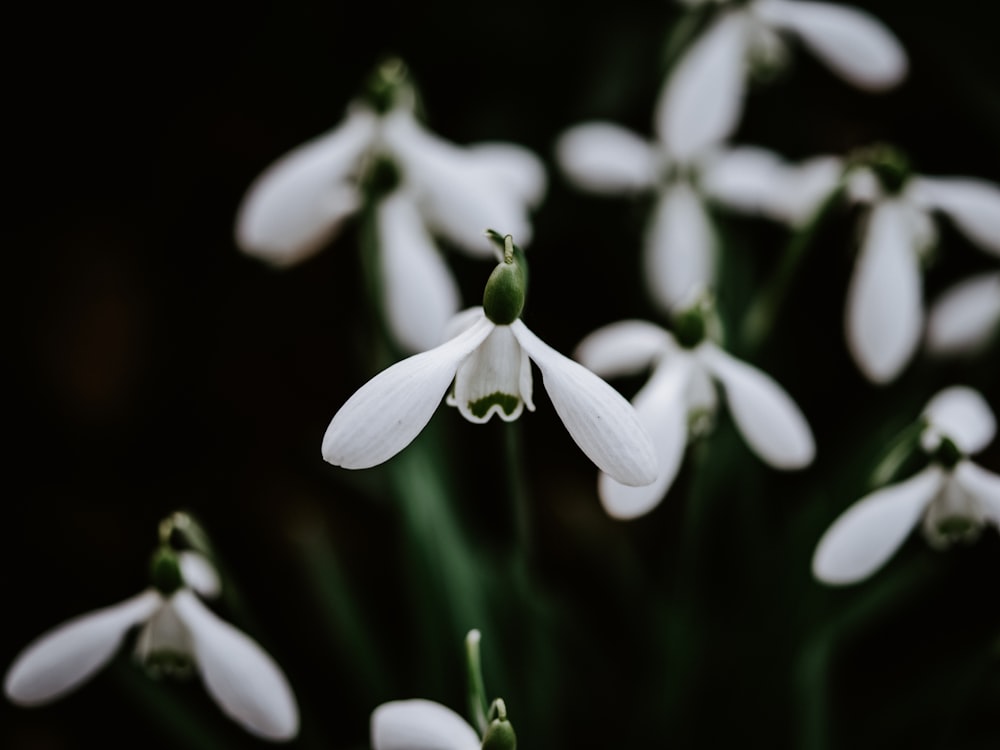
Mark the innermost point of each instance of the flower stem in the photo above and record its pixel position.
(478, 702)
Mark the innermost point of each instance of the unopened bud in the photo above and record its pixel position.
(503, 298)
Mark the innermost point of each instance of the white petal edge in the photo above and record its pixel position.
(599, 419)
(298, 203)
(852, 42)
(419, 724)
(199, 574)
(884, 315)
(623, 348)
(702, 99)
(868, 533)
(662, 411)
(767, 417)
(983, 485)
(518, 166)
(973, 204)
(419, 294)
(961, 414)
(63, 658)
(390, 410)
(242, 678)
(606, 158)
(965, 317)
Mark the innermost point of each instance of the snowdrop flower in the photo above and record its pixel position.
(966, 317)
(884, 317)
(954, 497)
(425, 187)
(681, 397)
(702, 100)
(178, 631)
(419, 724)
(488, 357)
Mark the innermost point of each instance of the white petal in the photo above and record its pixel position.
(679, 252)
(420, 725)
(966, 316)
(884, 307)
(519, 167)
(702, 100)
(974, 205)
(962, 415)
(741, 178)
(388, 411)
(242, 678)
(624, 348)
(419, 293)
(662, 411)
(767, 417)
(598, 418)
(198, 573)
(608, 158)
(63, 658)
(489, 381)
(871, 530)
(297, 204)
(983, 485)
(855, 44)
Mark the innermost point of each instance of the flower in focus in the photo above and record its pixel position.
(488, 357)
(954, 497)
(701, 102)
(884, 317)
(680, 398)
(424, 187)
(178, 632)
(965, 317)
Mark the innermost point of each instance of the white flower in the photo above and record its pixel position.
(490, 367)
(682, 390)
(177, 629)
(954, 497)
(296, 206)
(884, 318)
(419, 724)
(702, 100)
(966, 317)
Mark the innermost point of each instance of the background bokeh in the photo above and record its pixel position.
(152, 367)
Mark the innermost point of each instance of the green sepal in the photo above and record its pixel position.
(500, 734)
(165, 571)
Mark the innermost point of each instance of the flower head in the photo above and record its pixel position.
(680, 397)
(178, 633)
(952, 496)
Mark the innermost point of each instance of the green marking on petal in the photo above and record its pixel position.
(505, 401)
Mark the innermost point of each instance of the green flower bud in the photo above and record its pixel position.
(890, 166)
(689, 327)
(500, 734)
(947, 454)
(165, 571)
(389, 86)
(503, 297)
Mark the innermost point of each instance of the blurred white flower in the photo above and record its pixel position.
(884, 317)
(682, 391)
(954, 497)
(490, 367)
(419, 724)
(702, 100)
(965, 318)
(297, 205)
(177, 631)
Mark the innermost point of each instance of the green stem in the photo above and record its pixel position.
(517, 488)
(478, 702)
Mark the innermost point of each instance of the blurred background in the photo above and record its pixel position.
(152, 367)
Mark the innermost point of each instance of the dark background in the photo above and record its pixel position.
(150, 367)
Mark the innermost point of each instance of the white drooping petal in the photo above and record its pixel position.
(420, 725)
(460, 196)
(966, 317)
(387, 412)
(607, 158)
(884, 315)
(662, 410)
(855, 44)
(973, 204)
(702, 99)
(518, 166)
(492, 380)
(870, 531)
(803, 189)
(199, 574)
(767, 417)
(61, 659)
(419, 293)
(598, 418)
(242, 678)
(962, 415)
(297, 204)
(982, 485)
(624, 348)
(741, 177)
(679, 247)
